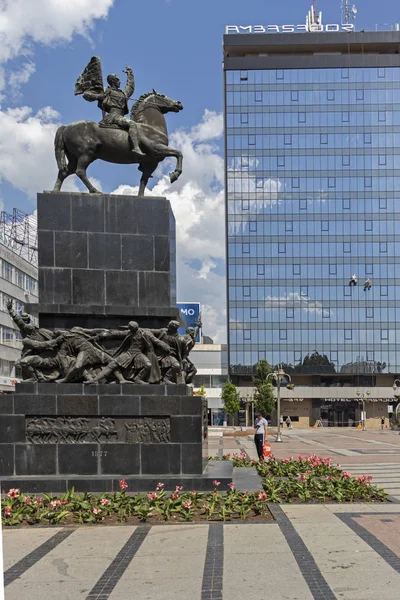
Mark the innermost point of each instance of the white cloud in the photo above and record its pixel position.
(45, 21)
(18, 78)
(197, 200)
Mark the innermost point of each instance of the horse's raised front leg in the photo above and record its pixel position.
(167, 151)
(83, 163)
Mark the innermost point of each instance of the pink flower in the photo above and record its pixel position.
(122, 485)
(187, 504)
(206, 507)
(253, 460)
(216, 483)
(244, 495)
(231, 486)
(96, 511)
(27, 500)
(365, 479)
(346, 475)
(227, 456)
(302, 478)
(262, 496)
(193, 492)
(105, 502)
(175, 496)
(300, 457)
(329, 478)
(152, 496)
(13, 493)
(7, 511)
(179, 488)
(159, 487)
(64, 502)
(55, 503)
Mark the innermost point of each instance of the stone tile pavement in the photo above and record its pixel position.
(310, 552)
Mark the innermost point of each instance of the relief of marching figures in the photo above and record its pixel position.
(79, 430)
(81, 355)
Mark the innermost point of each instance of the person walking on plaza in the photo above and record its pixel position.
(281, 420)
(382, 423)
(261, 425)
(288, 422)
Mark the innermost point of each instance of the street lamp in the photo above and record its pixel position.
(278, 376)
(363, 396)
(396, 385)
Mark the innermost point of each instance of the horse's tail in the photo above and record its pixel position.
(59, 150)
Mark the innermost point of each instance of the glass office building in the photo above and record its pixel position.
(312, 124)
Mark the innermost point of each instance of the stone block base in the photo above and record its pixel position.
(74, 432)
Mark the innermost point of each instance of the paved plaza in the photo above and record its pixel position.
(320, 552)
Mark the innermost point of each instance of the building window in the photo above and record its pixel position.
(245, 162)
(260, 270)
(369, 269)
(360, 94)
(334, 356)
(20, 278)
(370, 355)
(382, 116)
(330, 95)
(324, 225)
(347, 247)
(281, 161)
(259, 183)
(382, 246)
(367, 181)
(367, 138)
(289, 226)
(304, 291)
(254, 313)
(245, 248)
(369, 312)
(331, 182)
(290, 313)
(301, 117)
(332, 269)
(345, 73)
(382, 159)
(303, 204)
(282, 248)
(381, 72)
(295, 182)
(245, 205)
(348, 334)
(288, 139)
(243, 76)
(345, 116)
(296, 269)
(297, 356)
(279, 74)
(294, 96)
(383, 203)
(368, 225)
(244, 118)
(384, 334)
(253, 226)
(258, 96)
(346, 203)
(347, 290)
(345, 160)
(323, 138)
(384, 290)
(283, 334)
(247, 334)
(326, 313)
(8, 334)
(252, 140)
(246, 290)
(6, 270)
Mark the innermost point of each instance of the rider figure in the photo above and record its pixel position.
(114, 102)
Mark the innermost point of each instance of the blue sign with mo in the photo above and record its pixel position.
(189, 313)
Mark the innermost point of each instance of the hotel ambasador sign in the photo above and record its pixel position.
(287, 28)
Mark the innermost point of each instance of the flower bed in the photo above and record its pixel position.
(309, 479)
(121, 507)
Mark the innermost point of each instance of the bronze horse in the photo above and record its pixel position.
(83, 142)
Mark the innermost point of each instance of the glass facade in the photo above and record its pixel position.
(313, 188)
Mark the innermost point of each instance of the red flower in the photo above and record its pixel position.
(122, 485)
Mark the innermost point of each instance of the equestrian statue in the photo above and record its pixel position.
(140, 139)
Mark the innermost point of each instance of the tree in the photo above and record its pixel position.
(231, 398)
(264, 397)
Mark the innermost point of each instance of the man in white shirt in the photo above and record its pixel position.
(261, 425)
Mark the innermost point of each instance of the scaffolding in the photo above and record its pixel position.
(18, 231)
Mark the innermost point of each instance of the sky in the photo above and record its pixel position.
(174, 46)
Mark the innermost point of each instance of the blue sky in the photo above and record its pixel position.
(172, 45)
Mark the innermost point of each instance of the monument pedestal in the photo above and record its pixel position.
(105, 260)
